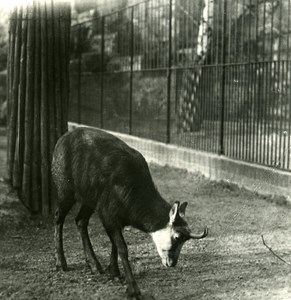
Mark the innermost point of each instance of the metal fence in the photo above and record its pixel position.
(209, 75)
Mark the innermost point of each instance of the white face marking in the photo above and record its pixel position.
(163, 240)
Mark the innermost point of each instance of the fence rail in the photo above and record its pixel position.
(210, 75)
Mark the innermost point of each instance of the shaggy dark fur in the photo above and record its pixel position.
(103, 173)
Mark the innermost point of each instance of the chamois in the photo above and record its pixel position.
(103, 173)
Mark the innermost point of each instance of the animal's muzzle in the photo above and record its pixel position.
(169, 262)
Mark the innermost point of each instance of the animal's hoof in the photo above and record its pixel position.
(117, 278)
(135, 297)
(147, 297)
(142, 297)
(114, 273)
(134, 294)
(95, 270)
(62, 267)
(95, 267)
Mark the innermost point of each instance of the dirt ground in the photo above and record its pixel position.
(231, 263)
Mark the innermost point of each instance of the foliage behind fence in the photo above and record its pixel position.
(210, 75)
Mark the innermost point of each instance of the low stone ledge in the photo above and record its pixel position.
(254, 177)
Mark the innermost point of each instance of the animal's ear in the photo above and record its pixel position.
(174, 212)
(182, 209)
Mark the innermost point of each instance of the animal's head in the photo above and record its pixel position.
(170, 239)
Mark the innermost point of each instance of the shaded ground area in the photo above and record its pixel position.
(232, 263)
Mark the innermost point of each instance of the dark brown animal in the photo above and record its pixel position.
(104, 174)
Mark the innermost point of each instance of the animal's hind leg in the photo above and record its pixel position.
(60, 215)
(82, 221)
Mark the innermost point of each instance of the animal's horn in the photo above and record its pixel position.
(200, 236)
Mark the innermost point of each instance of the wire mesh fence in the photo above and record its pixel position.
(209, 75)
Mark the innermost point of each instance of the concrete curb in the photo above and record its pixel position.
(257, 178)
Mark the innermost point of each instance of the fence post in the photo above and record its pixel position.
(131, 69)
(102, 70)
(79, 75)
(169, 76)
(221, 141)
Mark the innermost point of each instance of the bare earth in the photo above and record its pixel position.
(231, 263)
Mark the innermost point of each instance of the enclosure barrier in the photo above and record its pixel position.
(208, 75)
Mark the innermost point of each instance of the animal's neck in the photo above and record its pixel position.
(154, 217)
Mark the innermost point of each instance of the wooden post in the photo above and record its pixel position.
(37, 97)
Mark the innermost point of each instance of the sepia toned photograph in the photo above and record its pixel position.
(145, 149)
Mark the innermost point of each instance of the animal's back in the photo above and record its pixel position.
(101, 170)
(86, 160)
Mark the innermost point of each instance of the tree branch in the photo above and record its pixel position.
(279, 257)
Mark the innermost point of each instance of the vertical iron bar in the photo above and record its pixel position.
(208, 114)
(244, 94)
(151, 25)
(280, 88)
(264, 109)
(264, 33)
(288, 78)
(232, 104)
(265, 93)
(272, 33)
(221, 151)
(184, 41)
(169, 76)
(240, 87)
(213, 41)
(250, 83)
(212, 75)
(131, 69)
(236, 85)
(228, 122)
(257, 98)
(217, 35)
(176, 100)
(229, 34)
(264, 86)
(191, 30)
(79, 75)
(257, 29)
(241, 121)
(158, 26)
(102, 71)
(176, 48)
(229, 105)
(235, 30)
(273, 67)
(209, 90)
(273, 137)
(282, 126)
(269, 88)
(228, 90)
(253, 116)
(216, 124)
(260, 124)
(146, 37)
(243, 86)
(208, 38)
(242, 31)
(203, 112)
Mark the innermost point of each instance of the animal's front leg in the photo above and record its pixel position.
(132, 288)
(113, 266)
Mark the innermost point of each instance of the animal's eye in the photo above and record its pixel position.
(177, 237)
